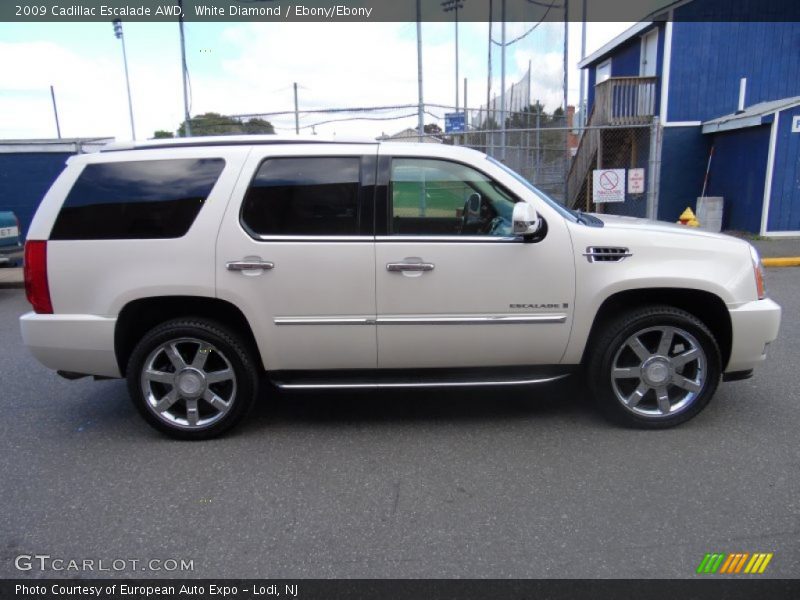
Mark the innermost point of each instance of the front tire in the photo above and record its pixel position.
(654, 367)
(192, 379)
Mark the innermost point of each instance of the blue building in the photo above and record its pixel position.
(722, 99)
(29, 167)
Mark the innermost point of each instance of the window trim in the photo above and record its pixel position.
(383, 205)
(362, 202)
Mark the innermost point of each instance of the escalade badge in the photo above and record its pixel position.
(562, 305)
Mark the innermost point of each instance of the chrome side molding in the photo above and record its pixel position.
(431, 384)
(529, 319)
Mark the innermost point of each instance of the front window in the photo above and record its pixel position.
(443, 198)
(562, 210)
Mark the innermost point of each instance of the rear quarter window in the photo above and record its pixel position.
(145, 199)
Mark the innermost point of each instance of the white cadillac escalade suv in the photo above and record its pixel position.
(192, 267)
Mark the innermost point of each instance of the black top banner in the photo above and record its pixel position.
(527, 11)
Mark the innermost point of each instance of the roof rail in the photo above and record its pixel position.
(230, 140)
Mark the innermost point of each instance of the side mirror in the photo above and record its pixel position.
(526, 222)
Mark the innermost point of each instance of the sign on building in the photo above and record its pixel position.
(636, 181)
(795, 124)
(608, 185)
(455, 122)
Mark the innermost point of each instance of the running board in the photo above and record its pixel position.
(419, 378)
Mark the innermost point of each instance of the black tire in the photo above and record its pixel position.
(221, 345)
(610, 345)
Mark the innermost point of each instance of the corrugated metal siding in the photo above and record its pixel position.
(684, 156)
(708, 60)
(24, 180)
(784, 203)
(737, 174)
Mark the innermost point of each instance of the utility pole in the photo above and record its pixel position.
(582, 98)
(420, 105)
(503, 81)
(187, 132)
(489, 137)
(296, 112)
(118, 34)
(55, 111)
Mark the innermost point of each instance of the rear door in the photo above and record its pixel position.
(454, 287)
(296, 254)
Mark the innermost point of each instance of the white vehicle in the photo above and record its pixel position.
(194, 266)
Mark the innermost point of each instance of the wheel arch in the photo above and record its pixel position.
(704, 305)
(139, 316)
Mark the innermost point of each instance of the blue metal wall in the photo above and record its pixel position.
(684, 156)
(24, 179)
(738, 170)
(625, 60)
(708, 60)
(784, 203)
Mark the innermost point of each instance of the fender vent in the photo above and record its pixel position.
(606, 254)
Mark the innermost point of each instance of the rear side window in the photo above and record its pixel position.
(304, 196)
(145, 199)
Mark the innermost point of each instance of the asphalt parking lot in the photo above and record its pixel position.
(494, 483)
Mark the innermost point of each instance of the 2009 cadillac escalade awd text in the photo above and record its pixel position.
(192, 267)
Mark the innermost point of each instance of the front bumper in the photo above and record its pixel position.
(76, 343)
(755, 325)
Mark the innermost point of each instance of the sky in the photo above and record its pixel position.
(245, 68)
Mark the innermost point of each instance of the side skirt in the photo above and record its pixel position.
(419, 378)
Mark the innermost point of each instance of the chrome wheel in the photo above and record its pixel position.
(659, 371)
(188, 383)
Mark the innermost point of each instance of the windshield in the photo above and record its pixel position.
(562, 210)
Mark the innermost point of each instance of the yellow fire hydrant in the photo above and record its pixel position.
(688, 218)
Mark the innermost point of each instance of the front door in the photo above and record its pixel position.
(454, 288)
(296, 255)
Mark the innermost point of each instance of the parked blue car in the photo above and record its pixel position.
(10, 240)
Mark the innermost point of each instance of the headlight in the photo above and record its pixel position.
(758, 272)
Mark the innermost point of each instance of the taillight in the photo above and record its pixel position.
(35, 267)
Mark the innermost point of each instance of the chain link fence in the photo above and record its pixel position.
(546, 148)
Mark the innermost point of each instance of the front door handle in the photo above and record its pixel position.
(406, 266)
(249, 265)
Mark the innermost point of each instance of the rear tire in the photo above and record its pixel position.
(654, 367)
(192, 379)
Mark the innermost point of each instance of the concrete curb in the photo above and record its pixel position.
(783, 261)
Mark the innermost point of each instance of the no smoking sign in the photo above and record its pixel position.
(608, 185)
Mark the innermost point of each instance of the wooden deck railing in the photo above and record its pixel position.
(625, 101)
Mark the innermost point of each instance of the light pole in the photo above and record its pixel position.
(187, 131)
(119, 36)
(453, 6)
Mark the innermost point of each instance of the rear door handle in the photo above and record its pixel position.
(249, 265)
(405, 266)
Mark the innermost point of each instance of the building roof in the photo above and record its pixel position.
(602, 52)
(752, 116)
(54, 145)
(410, 134)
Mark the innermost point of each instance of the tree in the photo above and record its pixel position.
(212, 123)
(256, 126)
(432, 129)
(162, 134)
